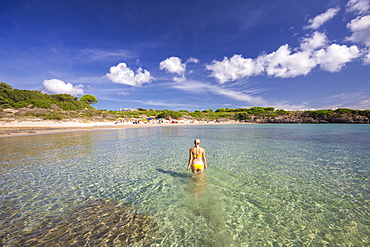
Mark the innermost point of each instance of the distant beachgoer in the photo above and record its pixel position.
(197, 158)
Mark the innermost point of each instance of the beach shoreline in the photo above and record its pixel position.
(25, 128)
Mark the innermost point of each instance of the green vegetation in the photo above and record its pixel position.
(170, 114)
(319, 113)
(63, 106)
(345, 110)
(16, 98)
(242, 116)
(252, 110)
(88, 98)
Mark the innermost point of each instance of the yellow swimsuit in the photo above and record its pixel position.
(198, 166)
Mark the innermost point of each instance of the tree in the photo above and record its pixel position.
(170, 114)
(241, 116)
(5, 87)
(88, 98)
(210, 110)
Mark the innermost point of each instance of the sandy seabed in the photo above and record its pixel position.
(17, 128)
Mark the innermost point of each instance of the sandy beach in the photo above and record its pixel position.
(18, 128)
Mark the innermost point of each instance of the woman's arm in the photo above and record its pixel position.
(204, 158)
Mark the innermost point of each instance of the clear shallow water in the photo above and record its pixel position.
(267, 185)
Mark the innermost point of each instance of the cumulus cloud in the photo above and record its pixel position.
(283, 63)
(317, 40)
(360, 28)
(336, 56)
(321, 19)
(358, 6)
(174, 65)
(121, 74)
(55, 86)
(286, 62)
(234, 68)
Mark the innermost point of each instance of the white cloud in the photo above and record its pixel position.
(174, 65)
(234, 68)
(282, 63)
(121, 74)
(320, 20)
(336, 56)
(55, 86)
(192, 60)
(358, 6)
(361, 30)
(317, 40)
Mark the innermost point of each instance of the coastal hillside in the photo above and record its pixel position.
(16, 104)
(17, 98)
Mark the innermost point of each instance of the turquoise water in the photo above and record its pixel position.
(267, 185)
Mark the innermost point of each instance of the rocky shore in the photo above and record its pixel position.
(311, 120)
(346, 116)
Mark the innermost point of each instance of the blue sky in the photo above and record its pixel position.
(193, 55)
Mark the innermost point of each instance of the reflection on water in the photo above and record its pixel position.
(205, 202)
(198, 184)
(267, 185)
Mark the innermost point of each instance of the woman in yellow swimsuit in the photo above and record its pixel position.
(197, 158)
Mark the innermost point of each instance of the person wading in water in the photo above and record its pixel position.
(197, 158)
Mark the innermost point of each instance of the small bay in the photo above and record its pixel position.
(267, 185)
